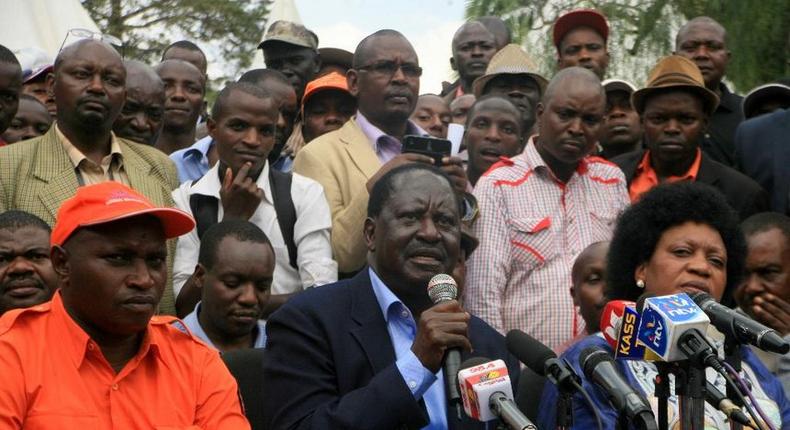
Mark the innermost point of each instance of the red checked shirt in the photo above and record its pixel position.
(531, 228)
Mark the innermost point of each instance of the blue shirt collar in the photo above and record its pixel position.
(199, 148)
(387, 300)
(193, 324)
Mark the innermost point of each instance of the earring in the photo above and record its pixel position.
(640, 284)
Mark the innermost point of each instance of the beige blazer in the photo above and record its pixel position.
(36, 176)
(342, 162)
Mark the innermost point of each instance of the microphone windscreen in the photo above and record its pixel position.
(529, 350)
(590, 357)
(442, 288)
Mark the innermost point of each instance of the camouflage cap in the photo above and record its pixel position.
(291, 33)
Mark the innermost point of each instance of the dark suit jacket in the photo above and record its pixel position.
(762, 145)
(330, 363)
(742, 193)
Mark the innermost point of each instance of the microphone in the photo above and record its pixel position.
(599, 367)
(664, 320)
(741, 327)
(611, 320)
(442, 288)
(488, 394)
(542, 360)
(719, 401)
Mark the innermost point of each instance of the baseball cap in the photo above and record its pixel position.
(291, 33)
(580, 18)
(618, 85)
(112, 201)
(333, 81)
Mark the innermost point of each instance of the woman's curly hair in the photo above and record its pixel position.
(641, 226)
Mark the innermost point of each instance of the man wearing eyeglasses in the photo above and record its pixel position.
(89, 86)
(385, 79)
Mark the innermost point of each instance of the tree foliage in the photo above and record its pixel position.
(230, 29)
(643, 30)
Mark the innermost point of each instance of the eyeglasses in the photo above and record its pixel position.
(387, 69)
(82, 33)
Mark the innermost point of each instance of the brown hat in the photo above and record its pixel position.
(336, 56)
(675, 71)
(510, 60)
(291, 33)
(580, 18)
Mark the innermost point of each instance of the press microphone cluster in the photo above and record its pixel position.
(487, 393)
(670, 328)
(600, 368)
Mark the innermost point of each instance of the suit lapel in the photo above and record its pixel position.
(53, 166)
(138, 172)
(371, 331)
(708, 172)
(359, 149)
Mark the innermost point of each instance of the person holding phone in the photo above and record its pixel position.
(385, 79)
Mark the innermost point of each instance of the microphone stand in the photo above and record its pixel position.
(732, 355)
(661, 392)
(565, 410)
(690, 389)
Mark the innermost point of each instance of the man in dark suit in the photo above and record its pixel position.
(763, 152)
(366, 353)
(675, 109)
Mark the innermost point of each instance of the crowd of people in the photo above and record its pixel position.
(158, 254)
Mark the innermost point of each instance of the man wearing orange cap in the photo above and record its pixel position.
(675, 108)
(326, 106)
(580, 37)
(98, 336)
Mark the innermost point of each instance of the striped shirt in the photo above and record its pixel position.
(531, 228)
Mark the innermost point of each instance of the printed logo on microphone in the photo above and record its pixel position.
(678, 307)
(652, 331)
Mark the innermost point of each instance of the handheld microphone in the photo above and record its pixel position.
(599, 367)
(442, 288)
(665, 319)
(542, 360)
(488, 394)
(741, 327)
(719, 401)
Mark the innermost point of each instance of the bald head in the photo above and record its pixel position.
(96, 46)
(573, 77)
(569, 118)
(139, 74)
(704, 41)
(498, 28)
(700, 22)
(378, 40)
(83, 107)
(469, 27)
(142, 114)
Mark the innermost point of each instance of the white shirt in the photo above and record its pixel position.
(311, 232)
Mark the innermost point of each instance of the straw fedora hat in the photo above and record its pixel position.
(675, 71)
(509, 60)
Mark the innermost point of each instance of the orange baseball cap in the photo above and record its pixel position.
(112, 201)
(332, 80)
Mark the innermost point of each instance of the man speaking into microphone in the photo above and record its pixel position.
(367, 352)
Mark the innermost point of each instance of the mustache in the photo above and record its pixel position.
(26, 281)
